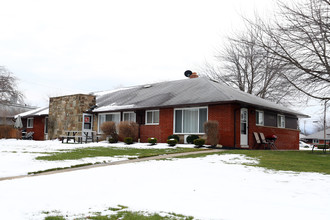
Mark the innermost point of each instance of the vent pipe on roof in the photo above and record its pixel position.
(193, 75)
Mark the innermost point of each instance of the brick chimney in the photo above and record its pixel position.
(193, 75)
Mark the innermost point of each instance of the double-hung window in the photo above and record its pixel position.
(152, 117)
(115, 117)
(129, 116)
(281, 121)
(29, 123)
(259, 117)
(190, 120)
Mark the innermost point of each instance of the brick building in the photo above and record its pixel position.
(179, 107)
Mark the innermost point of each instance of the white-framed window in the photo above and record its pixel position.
(152, 117)
(129, 116)
(190, 120)
(259, 117)
(103, 117)
(29, 123)
(281, 121)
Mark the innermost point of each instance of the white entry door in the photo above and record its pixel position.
(244, 128)
(87, 122)
(87, 125)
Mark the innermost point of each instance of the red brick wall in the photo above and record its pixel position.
(224, 114)
(38, 128)
(287, 139)
(161, 131)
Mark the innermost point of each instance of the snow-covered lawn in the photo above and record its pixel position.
(212, 187)
(17, 157)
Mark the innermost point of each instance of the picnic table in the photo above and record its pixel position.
(80, 136)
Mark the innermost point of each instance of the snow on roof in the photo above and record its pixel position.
(35, 112)
(113, 107)
(320, 135)
(107, 92)
(196, 91)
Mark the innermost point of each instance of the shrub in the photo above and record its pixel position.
(172, 142)
(191, 138)
(112, 140)
(199, 142)
(152, 141)
(109, 129)
(176, 137)
(128, 129)
(128, 140)
(211, 129)
(322, 147)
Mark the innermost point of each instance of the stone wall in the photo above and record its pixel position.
(66, 112)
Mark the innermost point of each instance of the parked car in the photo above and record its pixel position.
(304, 145)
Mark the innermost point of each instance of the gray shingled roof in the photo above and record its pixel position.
(319, 135)
(198, 91)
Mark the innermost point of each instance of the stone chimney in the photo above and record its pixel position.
(193, 75)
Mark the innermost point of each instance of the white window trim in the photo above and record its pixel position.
(316, 141)
(279, 125)
(263, 120)
(130, 112)
(207, 118)
(146, 121)
(99, 118)
(27, 123)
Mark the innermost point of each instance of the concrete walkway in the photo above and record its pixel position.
(111, 163)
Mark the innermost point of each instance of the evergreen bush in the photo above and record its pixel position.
(176, 137)
(199, 142)
(191, 138)
(172, 142)
(112, 140)
(128, 140)
(152, 141)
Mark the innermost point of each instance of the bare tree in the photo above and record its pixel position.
(9, 94)
(300, 38)
(243, 64)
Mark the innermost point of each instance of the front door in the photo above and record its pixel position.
(87, 125)
(244, 128)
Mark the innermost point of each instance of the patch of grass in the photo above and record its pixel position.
(118, 208)
(298, 161)
(79, 153)
(54, 218)
(129, 215)
(61, 168)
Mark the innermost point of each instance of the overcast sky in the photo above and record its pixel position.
(64, 47)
